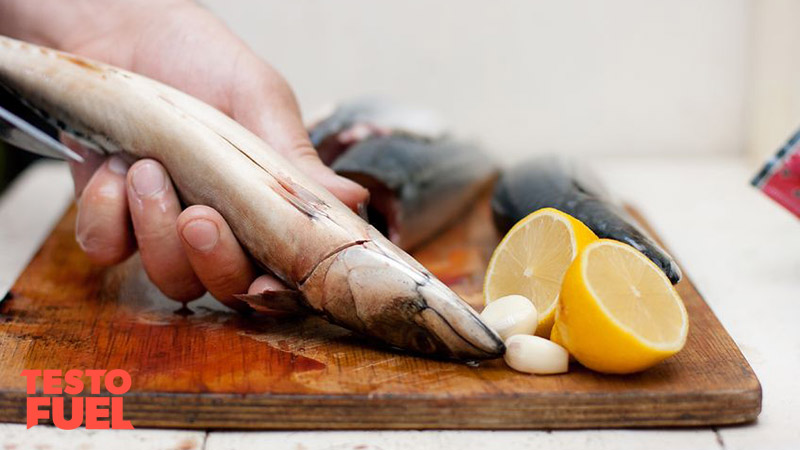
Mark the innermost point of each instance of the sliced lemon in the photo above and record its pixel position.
(618, 313)
(532, 259)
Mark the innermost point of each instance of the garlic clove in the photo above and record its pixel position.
(510, 315)
(534, 354)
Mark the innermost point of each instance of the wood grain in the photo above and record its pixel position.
(218, 369)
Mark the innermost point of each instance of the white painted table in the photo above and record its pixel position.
(741, 250)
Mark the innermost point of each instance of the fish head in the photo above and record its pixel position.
(380, 292)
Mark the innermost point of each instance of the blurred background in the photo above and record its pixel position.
(604, 78)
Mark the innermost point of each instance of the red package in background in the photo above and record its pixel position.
(780, 177)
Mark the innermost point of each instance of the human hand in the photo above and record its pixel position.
(176, 42)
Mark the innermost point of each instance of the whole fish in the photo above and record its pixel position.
(420, 180)
(344, 268)
(558, 183)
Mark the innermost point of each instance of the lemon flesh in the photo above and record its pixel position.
(618, 312)
(532, 259)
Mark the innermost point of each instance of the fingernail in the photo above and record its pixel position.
(202, 235)
(118, 165)
(148, 180)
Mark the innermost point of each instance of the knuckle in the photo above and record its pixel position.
(154, 232)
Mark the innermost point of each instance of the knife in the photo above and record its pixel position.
(21, 134)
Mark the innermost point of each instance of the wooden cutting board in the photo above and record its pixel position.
(218, 369)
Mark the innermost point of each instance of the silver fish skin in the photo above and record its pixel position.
(420, 179)
(418, 186)
(288, 223)
(550, 181)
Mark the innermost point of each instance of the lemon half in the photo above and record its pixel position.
(532, 259)
(618, 312)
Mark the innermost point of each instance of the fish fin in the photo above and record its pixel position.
(285, 302)
(301, 198)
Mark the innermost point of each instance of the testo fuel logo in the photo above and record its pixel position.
(80, 390)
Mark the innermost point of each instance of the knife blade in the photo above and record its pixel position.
(21, 134)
